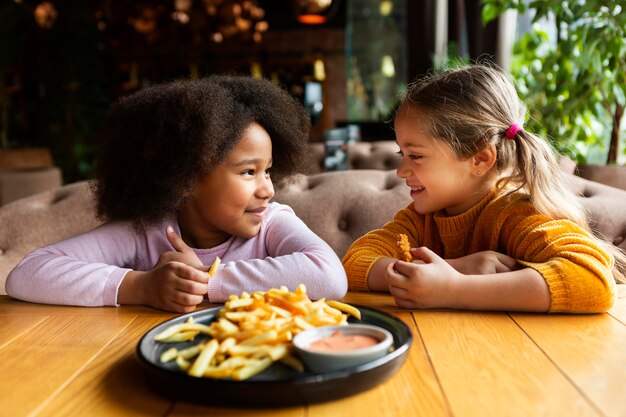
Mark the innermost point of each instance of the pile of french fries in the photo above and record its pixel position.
(251, 332)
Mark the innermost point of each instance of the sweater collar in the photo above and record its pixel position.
(450, 225)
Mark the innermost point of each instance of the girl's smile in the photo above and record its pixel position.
(257, 212)
(415, 190)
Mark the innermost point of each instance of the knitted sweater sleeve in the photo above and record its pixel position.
(379, 243)
(576, 268)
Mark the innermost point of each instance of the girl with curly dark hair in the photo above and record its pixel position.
(184, 178)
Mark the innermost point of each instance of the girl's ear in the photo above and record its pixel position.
(485, 159)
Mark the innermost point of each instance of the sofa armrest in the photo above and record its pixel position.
(605, 206)
(16, 183)
(40, 219)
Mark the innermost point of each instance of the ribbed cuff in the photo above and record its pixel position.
(359, 270)
(560, 297)
(214, 290)
(111, 287)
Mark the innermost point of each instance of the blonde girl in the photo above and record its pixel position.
(492, 225)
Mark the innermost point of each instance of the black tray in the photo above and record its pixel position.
(279, 385)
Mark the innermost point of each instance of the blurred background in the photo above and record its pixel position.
(62, 62)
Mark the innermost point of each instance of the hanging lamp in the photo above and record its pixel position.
(314, 12)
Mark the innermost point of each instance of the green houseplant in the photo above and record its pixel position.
(574, 86)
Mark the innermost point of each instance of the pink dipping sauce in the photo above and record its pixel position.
(339, 342)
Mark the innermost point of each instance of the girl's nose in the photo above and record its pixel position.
(402, 171)
(266, 188)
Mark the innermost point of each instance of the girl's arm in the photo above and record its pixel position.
(291, 254)
(435, 284)
(558, 260)
(84, 270)
(479, 263)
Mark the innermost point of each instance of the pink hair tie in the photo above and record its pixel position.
(512, 131)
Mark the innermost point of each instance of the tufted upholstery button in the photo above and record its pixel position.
(357, 162)
(618, 240)
(392, 163)
(343, 225)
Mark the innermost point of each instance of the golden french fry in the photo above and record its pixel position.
(245, 350)
(302, 323)
(183, 327)
(251, 370)
(279, 311)
(217, 372)
(182, 363)
(204, 358)
(169, 355)
(169, 332)
(213, 267)
(190, 352)
(182, 336)
(234, 362)
(265, 337)
(293, 362)
(226, 326)
(227, 344)
(277, 352)
(242, 302)
(346, 308)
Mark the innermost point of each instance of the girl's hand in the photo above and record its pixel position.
(175, 286)
(178, 282)
(483, 263)
(425, 284)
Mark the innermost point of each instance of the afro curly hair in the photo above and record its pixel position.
(161, 140)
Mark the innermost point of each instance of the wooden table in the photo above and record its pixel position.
(60, 361)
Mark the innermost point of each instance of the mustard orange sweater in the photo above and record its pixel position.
(577, 270)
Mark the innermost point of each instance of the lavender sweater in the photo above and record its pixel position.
(87, 270)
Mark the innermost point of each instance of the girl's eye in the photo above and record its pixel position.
(412, 157)
(248, 172)
(268, 171)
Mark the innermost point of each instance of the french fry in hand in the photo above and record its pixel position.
(213, 267)
(404, 248)
(251, 332)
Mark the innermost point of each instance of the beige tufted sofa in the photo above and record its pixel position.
(364, 155)
(339, 206)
